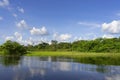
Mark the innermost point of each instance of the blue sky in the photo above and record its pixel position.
(33, 21)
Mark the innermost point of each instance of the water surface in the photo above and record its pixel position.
(54, 68)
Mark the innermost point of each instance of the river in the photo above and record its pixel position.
(54, 68)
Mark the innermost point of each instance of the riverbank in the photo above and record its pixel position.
(1, 52)
(88, 58)
(71, 54)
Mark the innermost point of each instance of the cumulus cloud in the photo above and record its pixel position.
(89, 24)
(108, 36)
(55, 35)
(22, 24)
(86, 36)
(30, 41)
(62, 37)
(9, 38)
(39, 31)
(18, 36)
(19, 39)
(113, 27)
(1, 18)
(35, 41)
(77, 38)
(4, 3)
(21, 10)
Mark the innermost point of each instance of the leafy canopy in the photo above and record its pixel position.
(13, 48)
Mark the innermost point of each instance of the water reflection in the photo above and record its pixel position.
(52, 68)
(98, 60)
(10, 60)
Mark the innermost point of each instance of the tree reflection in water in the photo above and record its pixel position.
(54, 68)
(10, 60)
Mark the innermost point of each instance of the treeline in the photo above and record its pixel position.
(97, 45)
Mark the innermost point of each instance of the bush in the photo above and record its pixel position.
(13, 48)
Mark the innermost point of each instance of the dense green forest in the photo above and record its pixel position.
(98, 45)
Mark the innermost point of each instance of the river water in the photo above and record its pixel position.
(54, 68)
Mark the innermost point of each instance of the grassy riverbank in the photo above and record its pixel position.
(1, 53)
(71, 54)
(89, 58)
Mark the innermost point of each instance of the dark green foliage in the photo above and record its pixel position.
(54, 45)
(98, 45)
(0, 48)
(104, 60)
(42, 46)
(13, 48)
(30, 47)
(64, 46)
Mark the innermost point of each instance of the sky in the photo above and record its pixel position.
(36, 21)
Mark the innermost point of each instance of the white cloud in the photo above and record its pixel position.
(86, 36)
(55, 35)
(89, 24)
(4, 3)
(77, 38)
(39, 31)
(62, 37)
(22, 24)
(108, 36)
(35, 41)
(113, 27)
(1, 18)
(30, 41)
(9, 38)
(21, 10)
(19, 39)
(18, 36)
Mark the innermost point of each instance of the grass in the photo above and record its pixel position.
(82, 57)
(49, 53)
(71, 54)
(1, 53)
(91, 58)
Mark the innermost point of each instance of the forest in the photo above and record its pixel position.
(98, 45)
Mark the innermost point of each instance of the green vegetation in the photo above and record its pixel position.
(13, 48)
(91, 58)
(96, 51)
(50, 53)
(98, 45)
(10, 60)
(71, 54)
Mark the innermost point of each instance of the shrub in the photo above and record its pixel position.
(13, 48)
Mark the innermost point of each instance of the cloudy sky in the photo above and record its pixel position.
(33, 21)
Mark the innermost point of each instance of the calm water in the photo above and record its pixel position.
(47, 68)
